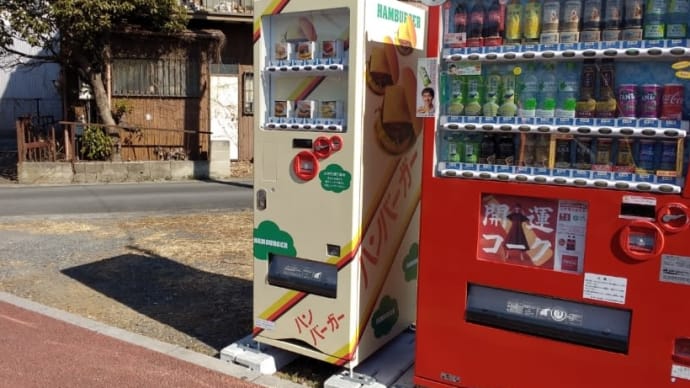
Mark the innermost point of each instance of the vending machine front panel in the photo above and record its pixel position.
(337, 175)
(555, 196)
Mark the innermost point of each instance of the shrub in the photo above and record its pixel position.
(96, 144)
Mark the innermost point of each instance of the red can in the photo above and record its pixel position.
(672, 102)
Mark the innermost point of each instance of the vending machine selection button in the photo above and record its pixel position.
(641, 240)
(336, 143)
(322, 147)
(674, 217)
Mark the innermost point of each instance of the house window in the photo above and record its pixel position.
(156, 77)
(248, 94)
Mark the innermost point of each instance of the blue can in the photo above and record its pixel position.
(645, 154)
(668, 155)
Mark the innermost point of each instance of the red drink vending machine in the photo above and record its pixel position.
(554, 246)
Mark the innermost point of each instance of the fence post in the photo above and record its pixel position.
(53, 144)
(20, 139)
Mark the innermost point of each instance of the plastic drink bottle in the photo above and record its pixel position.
(548, 89)
(654, 20)
(476, 27)
(531, 28)
(513, 31)
(678, 11)
(567, 90)
(528, 92)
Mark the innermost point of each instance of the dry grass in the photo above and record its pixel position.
(241, 169)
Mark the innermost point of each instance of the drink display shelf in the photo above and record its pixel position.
(311, 125)
(563, 177)
(630, 50)
(582, 127)
(306, 69)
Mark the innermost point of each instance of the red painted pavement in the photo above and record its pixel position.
(39, 351)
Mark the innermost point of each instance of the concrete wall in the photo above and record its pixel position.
(144, 171)
(110, 172)
(220, 159)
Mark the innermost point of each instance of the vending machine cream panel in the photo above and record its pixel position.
(336, 175)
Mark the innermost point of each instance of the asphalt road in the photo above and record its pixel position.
(171, 197)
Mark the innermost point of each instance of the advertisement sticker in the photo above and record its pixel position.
(544, 233)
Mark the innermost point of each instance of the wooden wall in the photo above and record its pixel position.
(171, 117)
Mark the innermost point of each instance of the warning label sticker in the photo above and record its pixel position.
(675, 269)
(604, 287)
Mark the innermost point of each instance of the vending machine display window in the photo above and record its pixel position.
(574, 322)
(298, 52)
(535, 232)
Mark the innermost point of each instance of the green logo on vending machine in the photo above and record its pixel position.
(384, 318)
(334, 178)
(411, 262)
(269, 238)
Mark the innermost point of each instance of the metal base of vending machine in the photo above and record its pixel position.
(262, 358)
(391, 366)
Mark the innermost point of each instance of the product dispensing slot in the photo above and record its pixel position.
(303, 275)
(543, 316)
(637, 210)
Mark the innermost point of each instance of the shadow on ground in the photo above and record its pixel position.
(215, 309)
(8, 165)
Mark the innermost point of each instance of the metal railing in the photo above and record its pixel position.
(235, 7)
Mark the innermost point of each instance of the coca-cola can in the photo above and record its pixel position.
(672, 102)
(650, 101)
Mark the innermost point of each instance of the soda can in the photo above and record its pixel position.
(603, 154)
(528, 149)
(672, 102)
(456, 147)
(505, 150)
(563, 153)
(471, 152)
(650, 101)
(667, 161)
(645, 155)
(627, 101)
(487, 149)
(583, 153)
(624, 155)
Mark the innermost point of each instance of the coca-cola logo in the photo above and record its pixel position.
(673, 99)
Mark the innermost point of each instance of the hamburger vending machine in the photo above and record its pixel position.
(337, 175)
(555, 206)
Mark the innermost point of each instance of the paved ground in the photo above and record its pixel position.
(44, 347)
